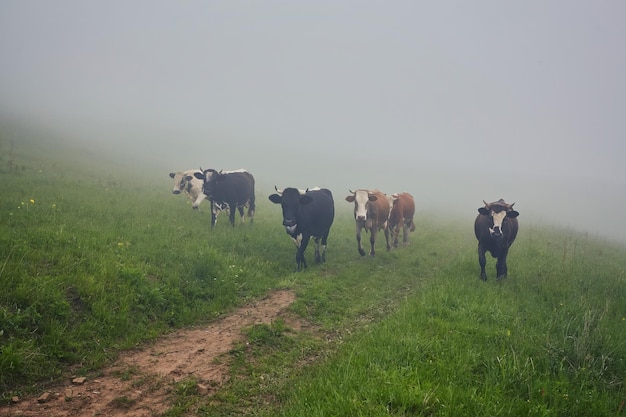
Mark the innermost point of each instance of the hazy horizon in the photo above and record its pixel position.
(455, 102)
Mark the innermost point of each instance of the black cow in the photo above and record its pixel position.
(306, 215)
(234, 188)
(495, 228)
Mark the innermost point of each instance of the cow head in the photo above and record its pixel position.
(180, 181)
(209, 178)
(290, 200)
(361, 199)
(391, 199)
(497, 212)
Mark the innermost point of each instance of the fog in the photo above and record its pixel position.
(454, 102)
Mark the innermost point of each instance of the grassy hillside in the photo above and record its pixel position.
(550, 340)
(95, 259)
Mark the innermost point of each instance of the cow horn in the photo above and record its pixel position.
(280, 192)
(486, 204)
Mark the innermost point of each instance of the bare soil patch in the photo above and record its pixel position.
(140, 382)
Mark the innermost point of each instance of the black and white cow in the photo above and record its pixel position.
(306, 215)
(233, 188)
(189, 185)
(495, 228)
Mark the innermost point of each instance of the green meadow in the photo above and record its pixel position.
(97, 258)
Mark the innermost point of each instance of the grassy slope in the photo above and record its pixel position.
(101, 259)
(548, 341)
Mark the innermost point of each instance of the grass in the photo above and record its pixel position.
(547, 341)
(95, 259)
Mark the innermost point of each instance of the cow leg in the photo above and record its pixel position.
(318, 257)
(387, 238)
(358, 240)
(241, 216)
(373, 241)
(300, 259)
(405, 233)
(231, 216)
(213, 214)
(482, 261)
(501, 268)
(324, 243)
(395, 234)
(197, 202)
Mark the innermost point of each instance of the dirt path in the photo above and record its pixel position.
(138, 384)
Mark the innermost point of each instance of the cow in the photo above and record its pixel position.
(495, 228)
(401, 212)
(233, 188)
(192, 187)
(306, 215)
(371, 211)
(186, 183)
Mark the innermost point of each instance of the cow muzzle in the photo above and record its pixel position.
(496, 233)
(176, 191)
(290, 225)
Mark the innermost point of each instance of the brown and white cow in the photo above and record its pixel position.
(401, 212)
(371, 211)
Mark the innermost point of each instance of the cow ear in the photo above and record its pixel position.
(350, 198)
(172, 175)
(512, 214)
(199, 175)
(305, 199)
(483, 211)
(275, 198)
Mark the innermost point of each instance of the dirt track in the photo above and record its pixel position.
(138, 384)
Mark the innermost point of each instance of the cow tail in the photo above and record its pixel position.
(252, 204)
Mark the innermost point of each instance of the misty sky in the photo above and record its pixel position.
(455, 101)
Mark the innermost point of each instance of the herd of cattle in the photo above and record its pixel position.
(309, 214)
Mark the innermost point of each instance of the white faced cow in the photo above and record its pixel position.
(371, 211)
(495, 228)
(186, 183)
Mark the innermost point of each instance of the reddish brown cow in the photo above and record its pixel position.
(402, 210)
(371, 211)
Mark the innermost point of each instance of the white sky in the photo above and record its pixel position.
(483, 99)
